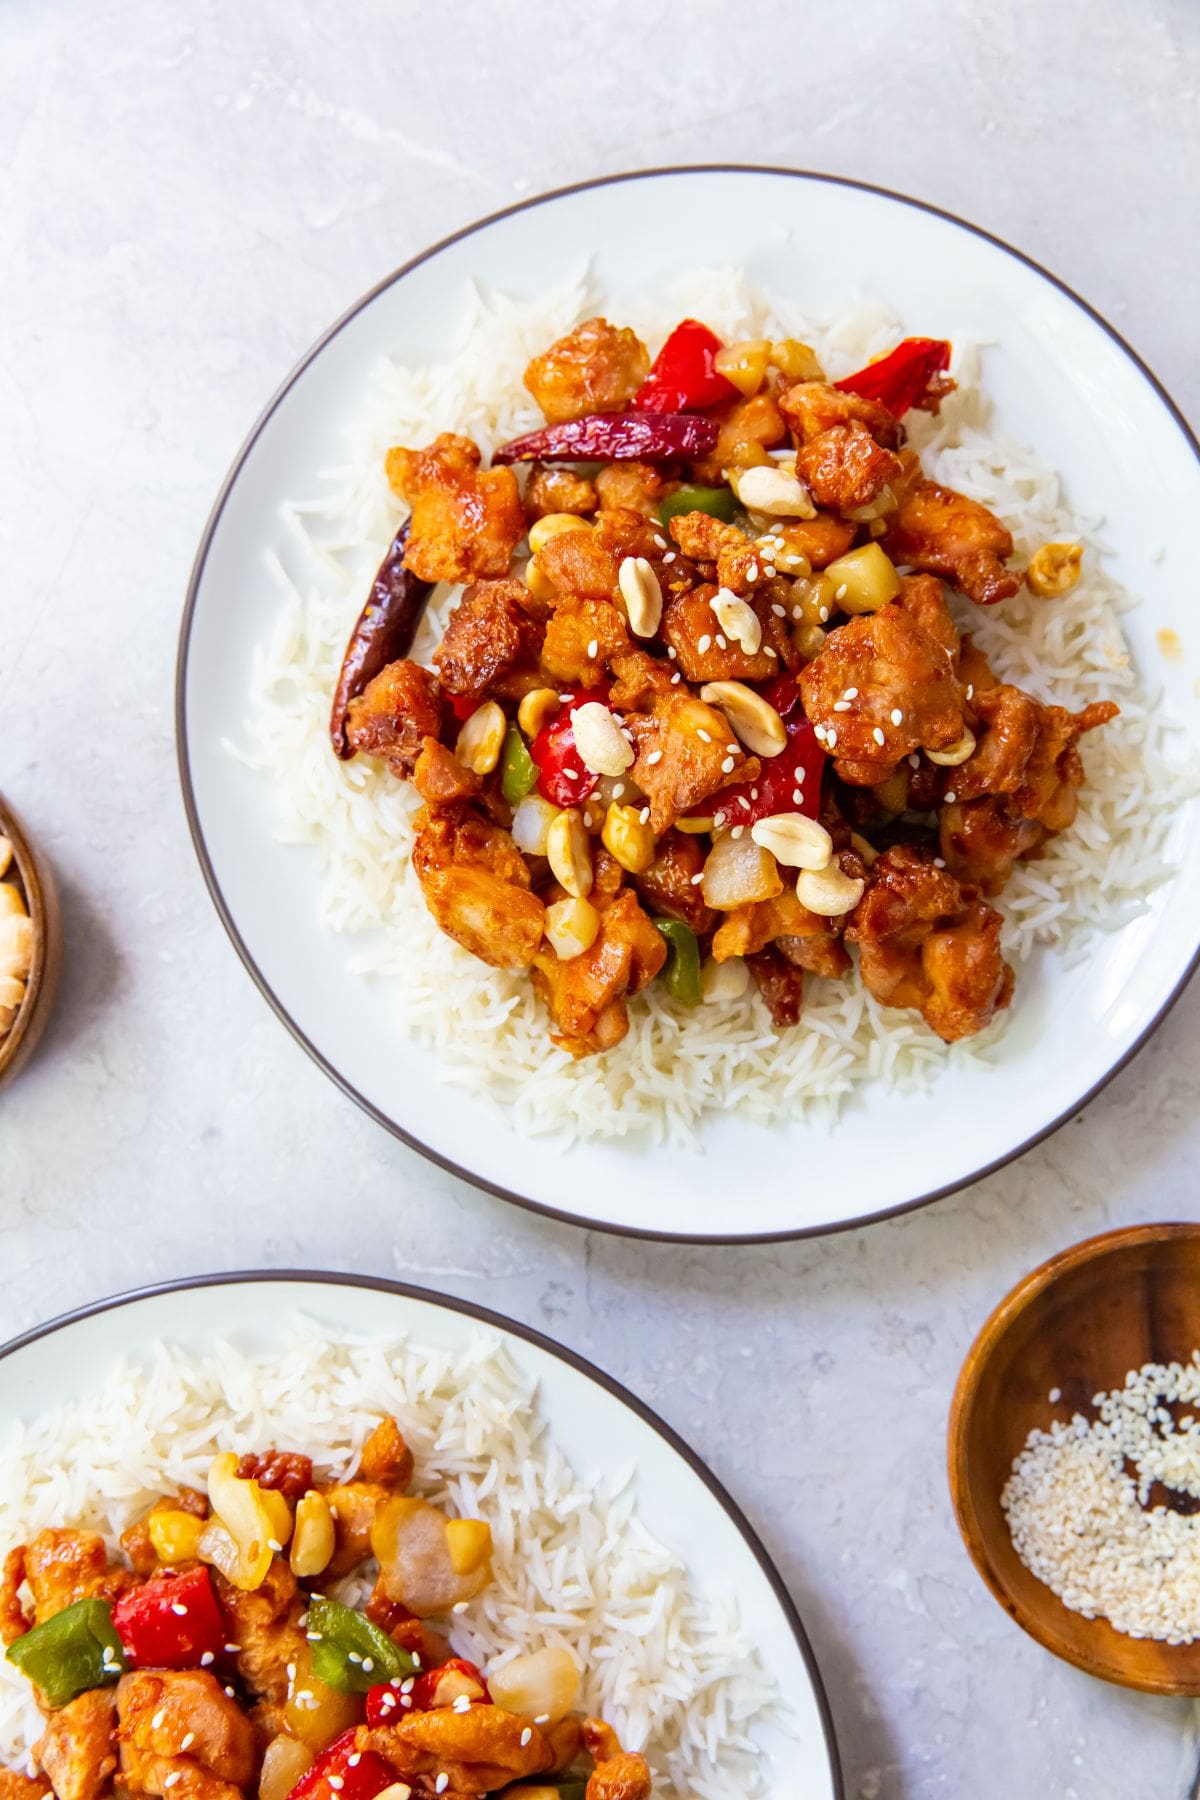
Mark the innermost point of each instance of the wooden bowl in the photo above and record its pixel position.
(41, 902)
(1079, 1324)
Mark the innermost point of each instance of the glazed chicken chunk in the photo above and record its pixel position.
(476, 885)
(394, 714)
(944, 533)
(466, 522)
(598, 367)
(181, 1734)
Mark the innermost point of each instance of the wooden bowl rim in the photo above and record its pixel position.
(977, 1359)
(35, 886)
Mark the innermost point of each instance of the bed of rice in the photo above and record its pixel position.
(574, 1567)
(488, 1030)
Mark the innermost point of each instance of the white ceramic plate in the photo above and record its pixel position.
(679, 1501)
(1061, 380)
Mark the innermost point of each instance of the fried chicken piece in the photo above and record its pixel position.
(136, 1541)
(466, 522)
(924, 600)
(23, 1787)
(580, 563)
(14, 1620)
(944, 533)
(489, 632)
(881, 677)
(845, 468)
(691, 628)
(476, 885)
(724, 551)
(632, 486)
(802, 938)
(583, 637)
(386, 1466)
(586, 995)
(394, 714)
(440, 778)
(781, 985)
(668, 885)
(822, 540)
(160, 1711)
(387, 1459)
(478, 1749)
(618, 1774)
(981, 842)
(814, 407)
(551, 490)
(264, 1623)
(623, 532)
(597, 367)
(639, 680)
(928, 942)
(697, 756)
(78, 1749)
(61, 1567)
(747, 430)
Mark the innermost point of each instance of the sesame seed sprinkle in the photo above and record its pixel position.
(737, 831)
(188, 1741)
(660, 540)
(655, 756)
(644, 815)
(156, 1722)
(672, 653)
(207, 1659)
(697, 879)
(877, 734)
(951, 797)
(727, 765)
(179, 1609)
(669, 557)
(779, 611)
(525, 1736)
(797, 796)
(594, 648)
(704, 736)
(897, 716)
(721, 643)
(704, 644)
(441, 1784)
(352, 1762)
(841, 706)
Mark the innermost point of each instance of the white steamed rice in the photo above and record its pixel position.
(489, 1032)
(574, 1567)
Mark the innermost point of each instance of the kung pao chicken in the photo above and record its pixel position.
(703, 713)
(211, 1663)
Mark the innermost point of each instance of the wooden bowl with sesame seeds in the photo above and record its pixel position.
(27, 873)
(1073, 1328)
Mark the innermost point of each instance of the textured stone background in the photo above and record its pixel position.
(188, 194)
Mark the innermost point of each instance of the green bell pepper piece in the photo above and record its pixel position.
(348, 1652)
(73, 1651)
(719, 501)
(518, 771)
(681, 971)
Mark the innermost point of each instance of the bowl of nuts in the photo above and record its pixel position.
(30, 945)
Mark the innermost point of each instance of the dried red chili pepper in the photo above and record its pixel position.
(796, 770)
(643, 436)
(913, 374)
(683, 377)
(384, 633)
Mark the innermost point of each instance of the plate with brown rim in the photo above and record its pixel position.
(1058, 377)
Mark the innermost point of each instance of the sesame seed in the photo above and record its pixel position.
(733, 748)
(841, 706)
(352, 1762)
(799, 773)
(275, 1545)
(971, 691)
(671, 652)
(752, 572)
(462, 1704)
(566, 698)
(823, 613)
(655, 756)
(840, 593)
(939, 862)
(231, 1693)
(754, 793)
(797, 612)
(676, 678)
(779, 611)
(179, 1609)
(291, 1670)
(897, 716)
(441, 1784)
(644, 815)
(914, 761)
(207, 1659)
(797, 796)
(718, 818)
(660, 541)
(368, 1664)
(737, 831)
(831, 737)
(172, 1778)
(669, 557)
(570, 773)
(188, 1741)
(721, 643)
(542, 1719)
(877, 734)
(351, 1656)
(526, 1735)
(156, 1722)
(769, 569)
(727, 765)
(951, 797)
(697, 879)
(704, 736)
(704, 644)
(594, 648)
(336, 1782)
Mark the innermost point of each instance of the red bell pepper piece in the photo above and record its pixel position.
(421, 1693)
(462, 706)
(563, 777)
(907, 376)
(683, 377)
(796, 770)
(642, 436)
(359, 1775)
(172, 1622)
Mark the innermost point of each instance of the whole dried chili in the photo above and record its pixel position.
(384, 633)
(913, 374)
(641, 436)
